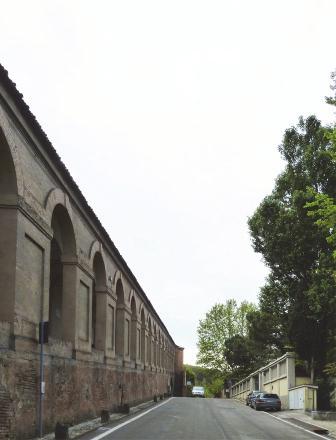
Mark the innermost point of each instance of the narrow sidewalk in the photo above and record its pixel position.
(290, 414)
(90, 425)
(301, 416)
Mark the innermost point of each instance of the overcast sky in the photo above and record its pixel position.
(168, 115)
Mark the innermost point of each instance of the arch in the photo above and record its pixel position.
(160, 349)
(116, 277)
(96, 246)
(142, 308)
(135, 340)
(8, 230)
(154, 339)
(143, 335)
(62, 286)
(131, 296)
(164, 351)
(54, 198)
(149, 341)
(9, 154)
(8, 180)
(63, 230)
(120, 292)
(99, 285)
(99, 271)
(122, 325)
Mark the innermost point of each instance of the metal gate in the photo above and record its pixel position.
(296, 398)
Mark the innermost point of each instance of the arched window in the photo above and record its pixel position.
(143, 337)
(159, 349)
(149, 343)
(62, 285)
(134, 336)
(8, 184)
(8, 231)
(99, 285)
(122, 325)
(154, 356)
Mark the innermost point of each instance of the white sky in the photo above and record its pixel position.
(168, 116)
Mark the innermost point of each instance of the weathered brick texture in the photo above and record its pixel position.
(107, 344)
(75, 391)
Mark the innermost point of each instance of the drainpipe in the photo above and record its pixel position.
(43, 327)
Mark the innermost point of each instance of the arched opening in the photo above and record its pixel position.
(62, 247)
(154, 361)
(149, 342)
(8, 231)
(160, 350)
(122, 325)
(134, 335)
(164, 353)
(143, 338)
(8, 183)
(99, 285)
(55, 291)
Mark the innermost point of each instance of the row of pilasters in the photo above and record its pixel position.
(117, 335)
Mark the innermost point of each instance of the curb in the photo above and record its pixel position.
(76, 431)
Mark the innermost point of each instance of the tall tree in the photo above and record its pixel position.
(323, 210)
(221, 323)
(299, 294)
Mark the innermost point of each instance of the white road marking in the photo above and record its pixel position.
(296, 426)
(98, 437)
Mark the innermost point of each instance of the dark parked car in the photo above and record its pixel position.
(251, 396)
(266, 401)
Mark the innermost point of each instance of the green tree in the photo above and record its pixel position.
(298, 298)
(190, 374)
(215, 388)
(323, 210)
(221, 323)
(239, 355)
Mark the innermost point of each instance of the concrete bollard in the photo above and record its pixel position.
(104, 416)
(155, 398)
(123, 409)
(61, 432)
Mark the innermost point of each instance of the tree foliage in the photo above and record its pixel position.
(211, 379)
(221, 323)
(298, 299)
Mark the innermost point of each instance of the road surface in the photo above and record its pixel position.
(200, 419)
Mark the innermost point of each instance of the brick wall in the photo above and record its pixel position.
(75, 391)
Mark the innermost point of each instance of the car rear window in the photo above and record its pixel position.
(271, 396)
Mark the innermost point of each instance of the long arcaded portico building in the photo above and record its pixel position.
(105, 344)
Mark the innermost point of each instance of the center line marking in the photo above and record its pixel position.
(98, 437)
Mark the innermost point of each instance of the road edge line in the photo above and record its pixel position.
(296, 426)
(104, 434)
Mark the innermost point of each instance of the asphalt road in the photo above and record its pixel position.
(200, 419)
